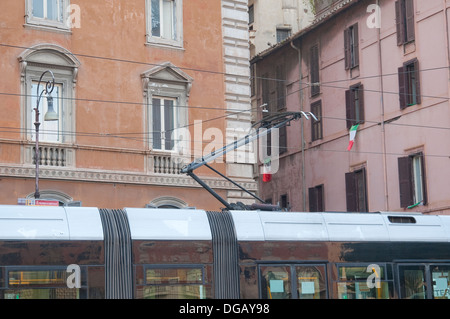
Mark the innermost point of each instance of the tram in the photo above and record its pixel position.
(133, 253)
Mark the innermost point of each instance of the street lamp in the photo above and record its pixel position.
(49, 116)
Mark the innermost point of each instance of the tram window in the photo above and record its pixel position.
(174, 283)
(360, 282)
(39, 284)
(413, 282)
(276, 282)
(311, 283)
(441, 279)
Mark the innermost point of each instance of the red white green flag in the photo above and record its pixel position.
(353, 130)
(267, 170)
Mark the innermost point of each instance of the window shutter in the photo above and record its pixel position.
(320, 202)
(312, 193)
(349, 112)
(265, 92)
(361, 103)
(281, 87)
(347, 48)
(399, 23)
(405, 181)
(402, 82)
(350, 189)
(283, 139)
(409, 11)
(156, 118)
(417, 79)
(314, 66)
(356, 44)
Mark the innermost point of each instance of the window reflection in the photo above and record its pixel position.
(174, 283)
(354, 283)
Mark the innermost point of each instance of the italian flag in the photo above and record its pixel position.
(353, 130)
(267, 171)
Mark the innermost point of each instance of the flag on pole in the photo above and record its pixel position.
(267, 171)
(353, 130)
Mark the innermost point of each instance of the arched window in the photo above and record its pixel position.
(168, 202)
(49, 194)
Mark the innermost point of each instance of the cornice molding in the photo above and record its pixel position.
(103, 176)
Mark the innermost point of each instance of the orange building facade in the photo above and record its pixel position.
(141, 88)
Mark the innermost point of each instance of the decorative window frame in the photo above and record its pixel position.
(46, 24)
(163, 42)
(50, 194)
(168, 201)
(64, 65)
(166, 80)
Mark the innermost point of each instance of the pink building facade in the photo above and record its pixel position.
(383, 69)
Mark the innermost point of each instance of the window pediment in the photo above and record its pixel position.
(49, 54)
(167, 76)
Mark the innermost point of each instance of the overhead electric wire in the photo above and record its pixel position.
(144, 134)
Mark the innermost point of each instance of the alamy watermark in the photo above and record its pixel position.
(74, 279)
(373, 281)
(374, 19)
(73, 20)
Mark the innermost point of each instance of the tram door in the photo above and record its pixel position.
(424, 281)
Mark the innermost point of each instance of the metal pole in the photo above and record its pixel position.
(49, 85)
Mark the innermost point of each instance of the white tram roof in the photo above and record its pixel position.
(19, 222)
(383, 226)
(168, 224)
(84, 223)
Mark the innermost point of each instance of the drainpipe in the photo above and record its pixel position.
(383, 132)
(302, 124)
(446, 33)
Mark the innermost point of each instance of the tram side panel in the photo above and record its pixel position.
(172, 254)
(41, 256)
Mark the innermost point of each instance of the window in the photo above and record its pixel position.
(316, 199)
(251, 14)
(283, 34)
(48, 13)
(316, 126)
(440, 275)
(355, 186)
(49, 131)
(293, 282)
(284, 202)
(314, 69)
(412, 181)
(174, 283)
(404, 16)
(165, 22)
(166, 91)
(41, 283)
(164, 121)
(354, 105)
(351, 44)
(34, 62)
(353, 282)
(265, 94)
(409, 84)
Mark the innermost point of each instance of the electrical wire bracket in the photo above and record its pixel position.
(262, 128)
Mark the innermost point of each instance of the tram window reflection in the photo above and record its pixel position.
(356, 282)
(174, 283)
(276, 282)
(311, 282)
(440, 278)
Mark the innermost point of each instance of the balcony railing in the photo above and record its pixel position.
(166, 164)
(51, 156)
